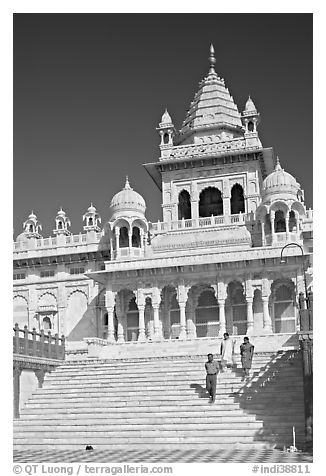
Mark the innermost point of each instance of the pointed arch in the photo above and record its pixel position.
(184, 205)
(237, 199)
(210, 202)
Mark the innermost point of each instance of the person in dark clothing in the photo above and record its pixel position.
(211, 376)
(246, 352)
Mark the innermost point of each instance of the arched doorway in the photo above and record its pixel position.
(284, 315)
(174, 317)
(132, 320)
(135, 239)
(236, 309)
(184, 205)
(207, 314)
(279, 222)
(210, 202)
(258, 312)
(123, 237)
(237, 200)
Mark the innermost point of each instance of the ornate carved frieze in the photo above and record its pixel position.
(209, 148)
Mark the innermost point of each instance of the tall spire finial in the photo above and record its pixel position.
(212, 59)
(127, 185)
(278, 165)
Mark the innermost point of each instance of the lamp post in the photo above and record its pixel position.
(303, 270)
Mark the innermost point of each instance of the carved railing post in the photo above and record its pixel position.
(17, 373)
(49, 344)
(57, 350)
(16, 339)
(26, 340)
(42, 343)
(63, 346)
(34, 341)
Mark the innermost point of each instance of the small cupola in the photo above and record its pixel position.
(250, 117)
(166, 130)
(62, 222)
(127, 202)
(91, 219)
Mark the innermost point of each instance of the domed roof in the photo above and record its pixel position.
(22, 238)
(91, 209)
(32, 216)
(128, 200)
(61, 213)
(250, 106)
(280, 181)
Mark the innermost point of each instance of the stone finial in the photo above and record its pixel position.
(127, 184)
(212, 60)
(278, 164)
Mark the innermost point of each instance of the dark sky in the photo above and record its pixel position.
(90, 89)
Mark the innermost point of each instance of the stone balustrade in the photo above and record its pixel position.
(38, 344)
(56, 242)
(221, 220)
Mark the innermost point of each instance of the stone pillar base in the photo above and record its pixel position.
(183, 335)
(142, 337)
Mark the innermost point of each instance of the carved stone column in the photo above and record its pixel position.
(263, 237)
(250, 316)
(182, 300)
(156, 299)
(272, 218)
(109, 304)
(221, 297)
(287, 217)
(141, 314)
(117, 250)
(119, 313)
(17, 373)
(249, 301)
(266, 291)
(190, 320)
(266, 316)
(221, 310)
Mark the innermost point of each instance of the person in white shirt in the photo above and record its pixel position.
(226, 352)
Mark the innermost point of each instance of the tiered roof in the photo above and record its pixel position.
(213, 107)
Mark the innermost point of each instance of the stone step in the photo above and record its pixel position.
(156, 418)
(262, 359)
(162, 394)
(133, 394)
(144, 426)
(211, 412)
(154, 446)
(169, 380)
(156, 406)
(147, 440)
(171, 366)
(207, 425)
(103, 368)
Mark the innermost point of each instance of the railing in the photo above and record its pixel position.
(53, 242)
(38, 344)
(201, 222)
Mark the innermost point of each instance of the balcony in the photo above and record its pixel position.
(222, 220)
(56, 242)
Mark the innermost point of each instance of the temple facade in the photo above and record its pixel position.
(211, 264)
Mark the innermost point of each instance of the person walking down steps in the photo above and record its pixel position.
(246, 352)
(227, 347)
(211, 367)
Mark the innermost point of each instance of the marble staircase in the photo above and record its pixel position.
(162, 402)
